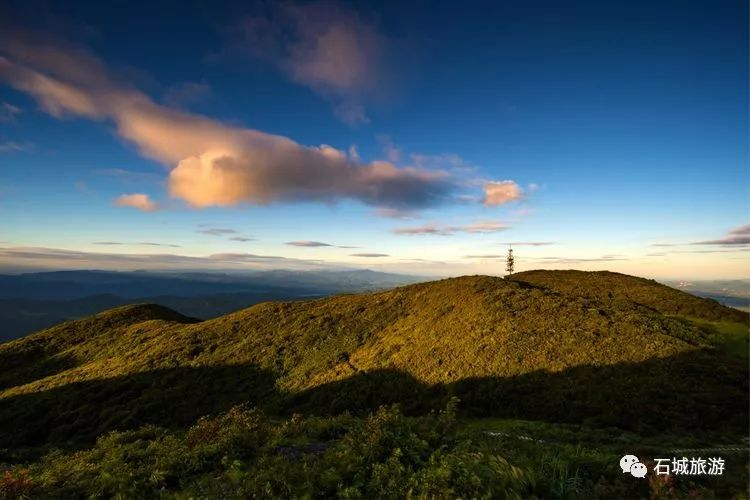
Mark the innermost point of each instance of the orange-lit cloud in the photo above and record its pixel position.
(136, 200)
(213, 164)
(501, 192)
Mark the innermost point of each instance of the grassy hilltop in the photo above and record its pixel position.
(605, 353)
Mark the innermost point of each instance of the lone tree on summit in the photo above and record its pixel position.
(509, 261)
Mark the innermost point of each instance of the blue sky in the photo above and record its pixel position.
(420, 138)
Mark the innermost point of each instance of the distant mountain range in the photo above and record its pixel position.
(733, 293)
(32, 301)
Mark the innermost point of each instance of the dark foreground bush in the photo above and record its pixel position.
(244, 454)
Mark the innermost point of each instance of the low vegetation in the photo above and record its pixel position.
(616, 288)
(116, 401)
(246, 454)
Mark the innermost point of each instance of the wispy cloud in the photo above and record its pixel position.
(735, 237)
(523, 211)
(395, 213)
(243, 239)
(306, 243)
(128, 176)
(578, 260)
(14, 147)
(138, 243)
(52, 258)
(729, 249)
(137, 200)
(529, 243)
(391, 152)
(443, 230)
(314, 244)
(738, 237)
(369, 255)
(432, 229)
(449, 161)
(152, 244)
(216, 231)
(327, 47)
(83, 188)
(186, 93)
(488, 256)
(8, 112)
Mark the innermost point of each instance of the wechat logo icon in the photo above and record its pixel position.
(630, 463)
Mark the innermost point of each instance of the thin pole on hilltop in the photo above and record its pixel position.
(510, 261)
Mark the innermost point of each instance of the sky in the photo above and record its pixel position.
(414, 137)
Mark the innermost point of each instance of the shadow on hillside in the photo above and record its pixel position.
(701, 390)
(694, 392)
(79, 412)
(19, 368)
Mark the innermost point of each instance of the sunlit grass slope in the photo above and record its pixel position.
(615, 288)
(596, 347)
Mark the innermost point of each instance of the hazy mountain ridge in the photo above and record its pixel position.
(67, 285)
(733, 293)
(29, 302)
